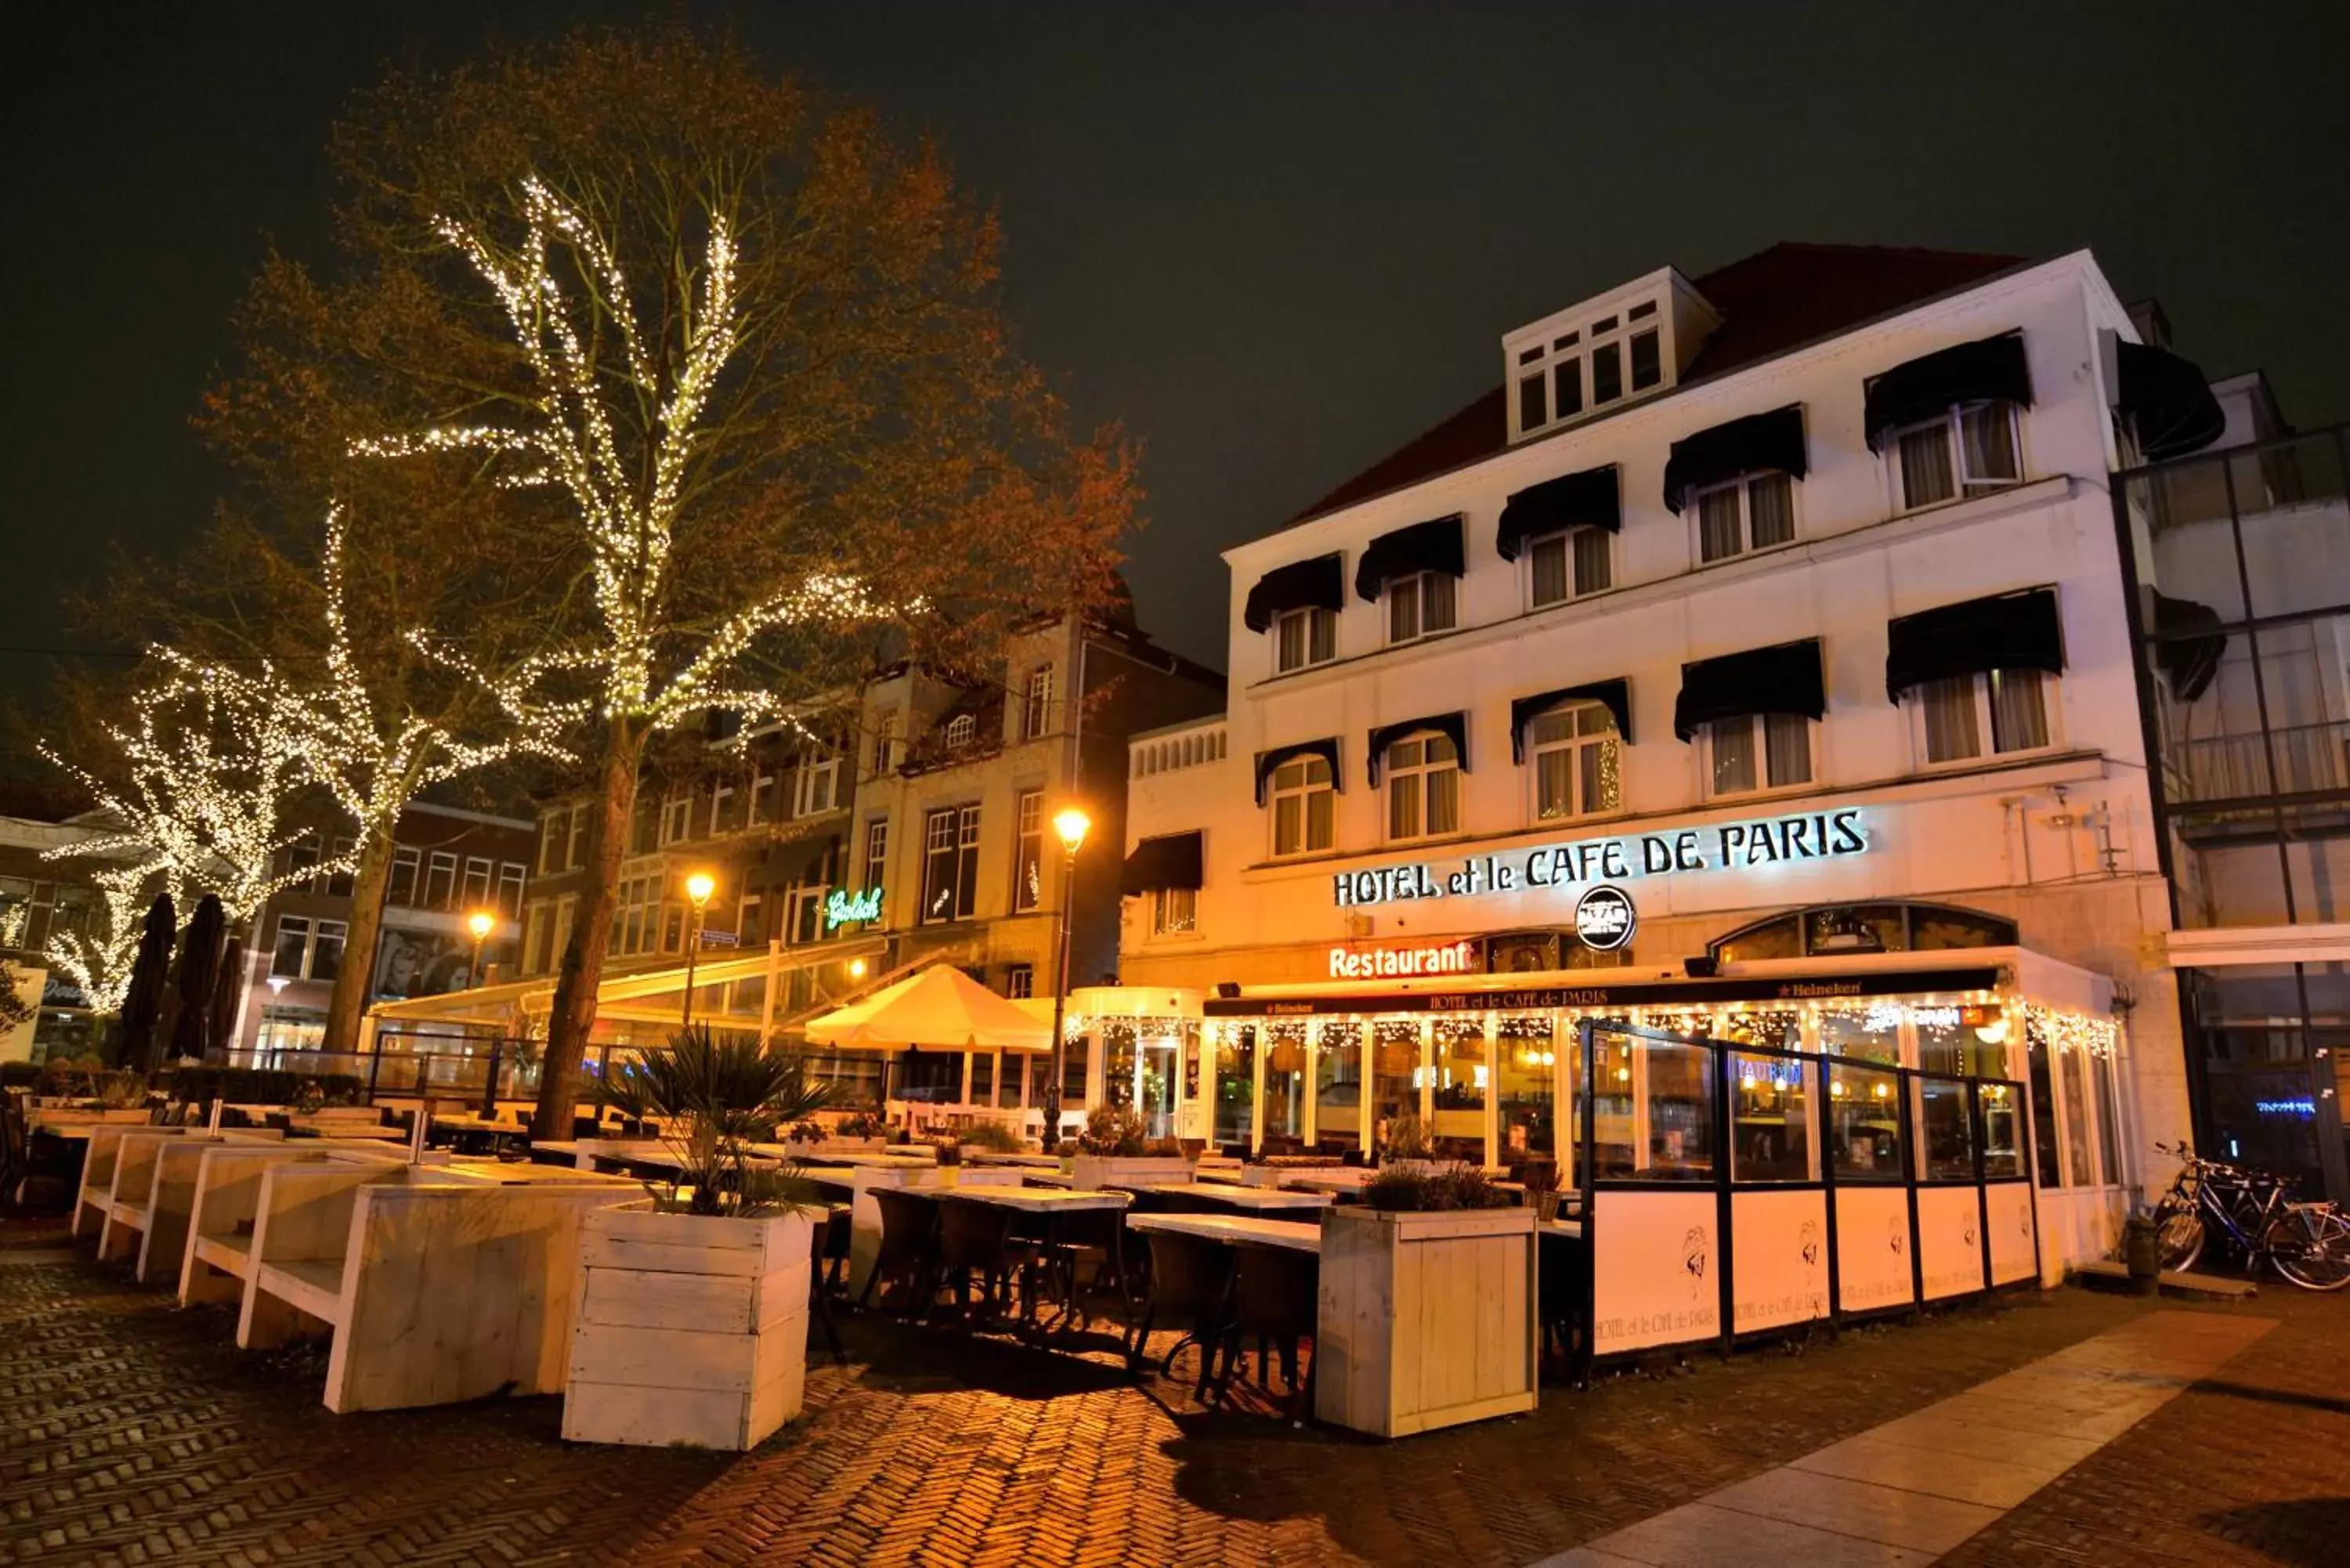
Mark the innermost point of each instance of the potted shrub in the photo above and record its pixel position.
(1427, 1313)
(690, 1321)
(1114, 1150)
(1406, 1145)
(991, 1137)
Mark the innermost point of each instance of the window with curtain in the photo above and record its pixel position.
(1577, 761)
(1028, 852)
(951, 863)
(1766, 751)
(1570, 564)
(1955, 714)
(1746, 514)
(1304, 806)
(1304, 637)
(1174, 912)
(1423, 787)
(1419, 605)
(1037, 718)
(1967, 450)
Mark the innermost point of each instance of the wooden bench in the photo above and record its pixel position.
(439, 1283)
(128, 1212)
(217, 1257)
(106, 1141)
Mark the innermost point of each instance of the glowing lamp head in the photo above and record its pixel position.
(1072, 824)
(857, 969)
(481, 922)
(699, 887)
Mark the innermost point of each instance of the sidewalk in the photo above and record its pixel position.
(137, 1433)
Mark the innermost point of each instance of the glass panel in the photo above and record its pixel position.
(1436, 602)
(2108, 1119)
(1569, 374)
(2044, 1117)
(1555, 782)
(1529, 1056)
(1718, 533)
(1443, 800)
(1607, 373)
(1285, 838)
(1610, 1086)
(1647, 371)
(1339, 1086)
(1778, 1027)
(2002, 1138)
(1601, 776)
(1403, 610)
(1926, 475)
(1790, 740)
(1771, 510)
(1858, 928)
(1290, 635)
(1732, 740)
(1235, 1090)
(1550, 571)
(1322, 641)
(1951, 733)
(1284, 1086)
(1395, 1072)
(1867, 1034)
(1679, 1102)
(1987, 438)
(1461, 1079)
(1403, 806)
(1865, 1123)
(2076, 1120)
(1782, 937)
(1592, 567)
(1969, 1041)
(1770, 1120)
(1947, 1130)
(1531, 408)
(1319, 809)
(2019, 712)
(1117, 1039)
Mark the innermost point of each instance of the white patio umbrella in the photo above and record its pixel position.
(940, 1009)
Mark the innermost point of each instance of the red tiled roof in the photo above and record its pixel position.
(1772, 301)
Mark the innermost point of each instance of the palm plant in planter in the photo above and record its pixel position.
(691, 1319)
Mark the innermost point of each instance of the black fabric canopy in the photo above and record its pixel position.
(1781, 679)
(1614, 695)
(1171, 861)
(1758, 442)
(1317, 584)
(2169, 399)
(2005, 631)
(1966, 373)
(1586, 500)
(1430, 546)
(1327, 750)
(2191, 645)
(1453, 726)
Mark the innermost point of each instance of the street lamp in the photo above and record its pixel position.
(698, 888)
(481, 922)
(1071, 823)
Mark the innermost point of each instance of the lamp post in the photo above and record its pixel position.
(698, 888)
(480, 923)
(1071, 823)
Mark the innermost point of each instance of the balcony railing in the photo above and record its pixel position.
(1168, 751)
(2310, 758)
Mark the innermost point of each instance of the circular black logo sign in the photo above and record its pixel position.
(1605, 918)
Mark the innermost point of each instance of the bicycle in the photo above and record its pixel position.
(2309, 1244)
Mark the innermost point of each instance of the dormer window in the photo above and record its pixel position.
(962, 731)
(1590, 359)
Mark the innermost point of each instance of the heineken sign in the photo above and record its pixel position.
(1582, 862)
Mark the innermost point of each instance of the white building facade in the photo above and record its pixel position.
(1803, 629)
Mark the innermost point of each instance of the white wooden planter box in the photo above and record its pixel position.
(691, 1329)
(1094, 1171)
(1426, 1320)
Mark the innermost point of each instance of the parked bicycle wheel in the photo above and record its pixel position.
(2310, 1245)
(2179, 1231)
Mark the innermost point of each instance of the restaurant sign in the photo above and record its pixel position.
(1579, 862)
(1402, 962)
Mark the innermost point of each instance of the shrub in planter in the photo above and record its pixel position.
(263, 1086)
(692, 1319)
(1118, 1131)
(1407, 1139)
(993, 1137)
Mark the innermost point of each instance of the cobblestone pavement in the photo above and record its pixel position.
(137, 1433)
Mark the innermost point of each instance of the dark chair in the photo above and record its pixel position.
(1276, 1299)
(42, 1170)
(909, 1234)
(975, 1240)
(820, 1292)
(1191, 1290)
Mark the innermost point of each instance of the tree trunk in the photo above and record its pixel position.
(573, 1013)
(355, 982)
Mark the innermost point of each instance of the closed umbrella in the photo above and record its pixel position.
(942, 1008)
(200, 969)
(143, 1001)
(226, 992)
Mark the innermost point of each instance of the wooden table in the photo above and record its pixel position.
(922, 1161)
(1261, 1200)
(1034, 1161)
(1051, 1207)
(1235, 1229)
(1345, 1182)
(1055, 1177)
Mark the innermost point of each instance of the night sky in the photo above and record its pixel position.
(1276, 240)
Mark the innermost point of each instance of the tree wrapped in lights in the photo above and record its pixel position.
(98, 957)
(737, 364)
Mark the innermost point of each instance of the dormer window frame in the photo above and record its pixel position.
(1611, 356)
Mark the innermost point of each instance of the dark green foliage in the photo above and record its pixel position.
(261, 1087)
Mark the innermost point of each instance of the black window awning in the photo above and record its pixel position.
(1326, 749)
(1992, 368)
(2005, 631)
(1430, 546)
(1171, 860)
(1453, 726)
(1317, 584)
(1784, 679)
(2188, 646)
(2167, 399)
(1757, 443)
(1586, 500)
(1614, 695)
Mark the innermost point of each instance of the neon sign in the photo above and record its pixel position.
(844, 907)
(1728, 846)
(2286, 1107)
(1452, 958)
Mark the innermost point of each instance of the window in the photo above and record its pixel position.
(1304, 637)
(2010, 706)
(677, 818)
(440, 880)
(338, 881)
(534, 941)
(405, 863)
(1303, 806)
(876, 854)
(1590, 367)
(1746, 514)
(1969, 450)
(1174, 912)
(750, 916)
(1419, 605)
(297, 863)
(885, 742)
(575, 855)
(962, 731)
(1037, 720)
(1019, 980)
(1028, 852)
(510, 879)
(565, 910)
(553, 834)
(1571, 564)
(762, 804)
(725, 807)
(1769, 750)
(804, 915)
(1423, 787)
(819, 783)
(478, 872)
(307, 948)
(951, 863)
(1577, 761)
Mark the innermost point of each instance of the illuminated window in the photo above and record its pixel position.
(1744, 515)
(1577, 759)
(1954, 715)
(1174, 912)
(1423, 775)
(1419, 605)
(1969, 450)
(1304, 637)
(1766, 751)
(1304, 806)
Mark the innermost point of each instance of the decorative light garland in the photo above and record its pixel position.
(2062, 1032)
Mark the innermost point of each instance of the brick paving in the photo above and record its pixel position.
(137, 1433)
